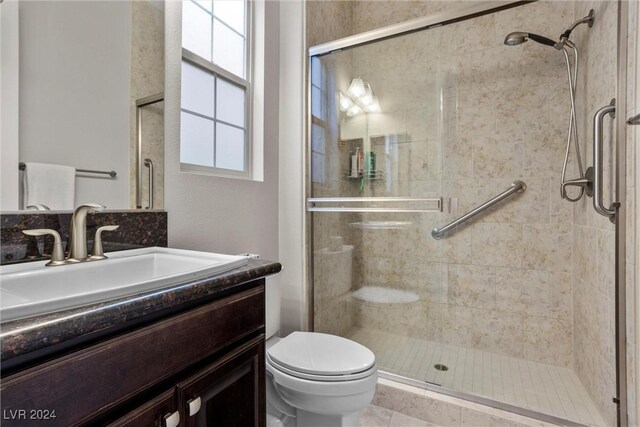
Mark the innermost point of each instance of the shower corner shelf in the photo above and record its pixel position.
(374, 175)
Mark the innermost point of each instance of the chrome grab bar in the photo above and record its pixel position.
(22, 166)
(148, 163)
(377, 204)
(598, 132)
(516, 187)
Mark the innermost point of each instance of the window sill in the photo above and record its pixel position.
(216, 172)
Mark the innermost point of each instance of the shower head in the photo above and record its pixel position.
(515, 38)
(518, 37)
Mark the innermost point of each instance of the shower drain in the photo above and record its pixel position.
(441, 367)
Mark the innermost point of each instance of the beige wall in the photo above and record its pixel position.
(74, 92)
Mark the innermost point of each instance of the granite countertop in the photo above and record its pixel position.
(38, 334)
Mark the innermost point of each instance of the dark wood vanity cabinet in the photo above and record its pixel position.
(203, 367)
(227, 393)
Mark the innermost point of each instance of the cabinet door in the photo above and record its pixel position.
(230, 392)
(161, 411)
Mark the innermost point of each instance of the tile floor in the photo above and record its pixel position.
(375, 416)
(537, 386)
(401, 405)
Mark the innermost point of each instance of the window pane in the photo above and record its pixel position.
(205, 3)
(229, 147)
(317, 103)
(198, 90)
(231, 12)
(196, 29)
(231, 100)
(317, 138)
(196, 140)
(316, 72)
(317, 161)
(228, 49)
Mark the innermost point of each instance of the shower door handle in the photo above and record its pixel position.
(598, 159)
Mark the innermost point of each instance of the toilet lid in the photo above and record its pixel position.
(321, 354)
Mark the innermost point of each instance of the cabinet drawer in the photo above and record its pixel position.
(151, 414)
(89, 382)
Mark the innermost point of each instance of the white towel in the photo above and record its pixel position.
(53, 186)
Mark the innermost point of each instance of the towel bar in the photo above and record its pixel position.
(112, 174)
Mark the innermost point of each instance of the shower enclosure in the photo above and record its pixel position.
(414, 126)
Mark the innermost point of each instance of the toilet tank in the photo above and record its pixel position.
(272, 296)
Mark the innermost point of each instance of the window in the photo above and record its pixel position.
(216, 87)
(319, 124)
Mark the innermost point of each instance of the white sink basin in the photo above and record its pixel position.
(31, 288)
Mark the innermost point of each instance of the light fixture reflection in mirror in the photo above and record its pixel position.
(359, 98)
(356, 88)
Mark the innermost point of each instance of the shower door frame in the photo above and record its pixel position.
(458, 15)
(621, 399)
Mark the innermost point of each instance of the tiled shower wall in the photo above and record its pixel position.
(477, 115)
(469, 116)
(593, 234)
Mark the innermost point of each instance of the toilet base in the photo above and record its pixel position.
(309, 419)
(274, 421)
(280, 413)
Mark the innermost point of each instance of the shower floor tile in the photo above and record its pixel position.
(537, 386)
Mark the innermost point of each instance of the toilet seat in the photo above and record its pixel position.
(321, 357)
(323, 378)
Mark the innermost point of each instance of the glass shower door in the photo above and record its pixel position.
(376, 179)
(498, 308)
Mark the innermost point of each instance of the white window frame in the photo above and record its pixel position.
(253, 148)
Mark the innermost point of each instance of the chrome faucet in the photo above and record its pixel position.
(77, 238)
(78, 231)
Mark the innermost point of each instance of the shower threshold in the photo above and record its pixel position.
(546, 392)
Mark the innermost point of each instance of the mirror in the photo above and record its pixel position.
(91, 83)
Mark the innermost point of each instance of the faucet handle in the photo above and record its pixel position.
(57, 256)
(98, 252)
(91, 207)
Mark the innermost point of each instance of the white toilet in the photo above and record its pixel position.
(316, 379)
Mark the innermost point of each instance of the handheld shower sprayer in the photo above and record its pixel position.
(518, 37)
(564, 44)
